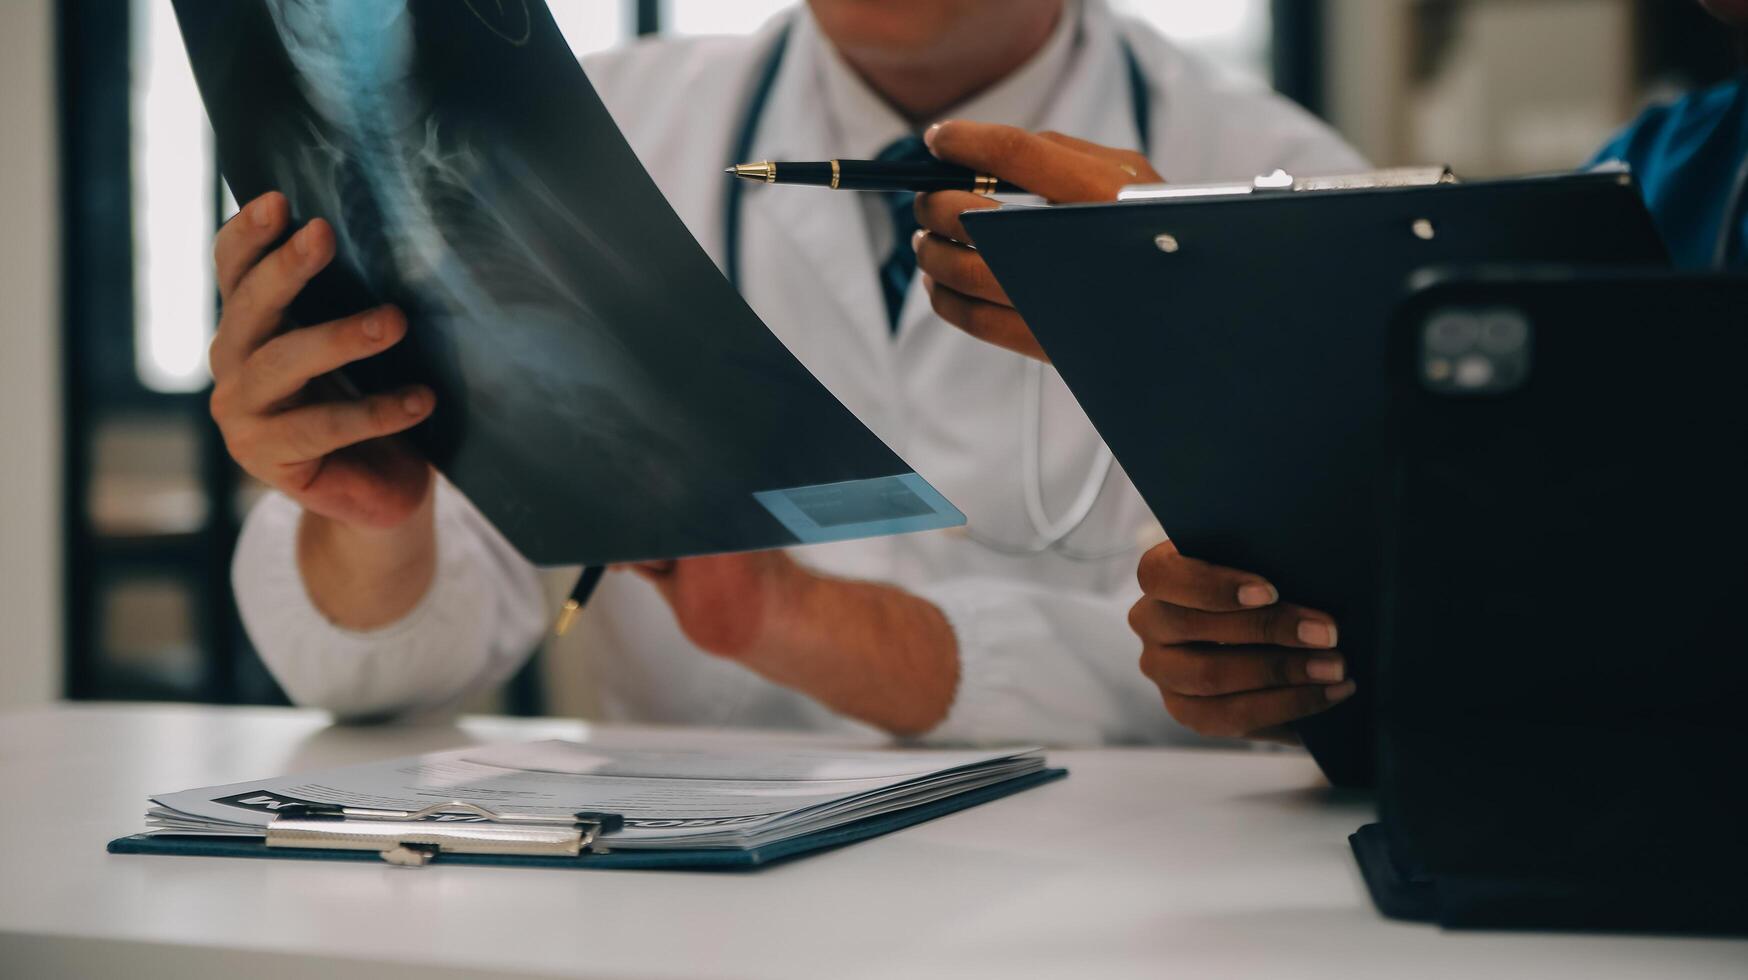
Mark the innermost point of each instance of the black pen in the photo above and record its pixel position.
(919, 177)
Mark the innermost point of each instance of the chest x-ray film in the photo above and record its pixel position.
(603, 393)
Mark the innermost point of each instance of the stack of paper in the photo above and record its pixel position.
(670, 798)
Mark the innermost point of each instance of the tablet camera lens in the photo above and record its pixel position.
(1451, 334)
(1504, 332)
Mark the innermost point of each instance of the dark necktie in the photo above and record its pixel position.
(900, 265)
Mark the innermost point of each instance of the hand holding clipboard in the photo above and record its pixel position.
(1277, 663)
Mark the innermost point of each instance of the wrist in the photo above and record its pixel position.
(794, 598)
(364, 552)
(364, 578)
(870, 651)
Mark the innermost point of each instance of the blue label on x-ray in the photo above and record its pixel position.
(860, 508)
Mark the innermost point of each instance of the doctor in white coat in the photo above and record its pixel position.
(372, 588)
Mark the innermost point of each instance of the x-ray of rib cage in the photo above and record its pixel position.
(603, 394)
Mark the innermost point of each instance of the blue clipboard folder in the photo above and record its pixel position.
(720, 859)
(610, 802)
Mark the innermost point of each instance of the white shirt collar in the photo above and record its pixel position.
(866, 124)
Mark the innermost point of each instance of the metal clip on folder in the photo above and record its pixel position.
(411, 838)
(1281, 182)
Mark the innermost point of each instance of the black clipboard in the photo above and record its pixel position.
(1230, 349)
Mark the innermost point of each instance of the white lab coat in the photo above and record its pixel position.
(1046, 654)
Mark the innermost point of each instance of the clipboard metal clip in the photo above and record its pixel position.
(413, 838)
(1281, 182)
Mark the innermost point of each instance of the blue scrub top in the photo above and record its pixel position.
(1688, 159)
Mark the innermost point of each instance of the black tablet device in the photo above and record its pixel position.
(1230, 351)
(1562, 666)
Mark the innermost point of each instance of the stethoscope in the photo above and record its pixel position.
(1049, 533)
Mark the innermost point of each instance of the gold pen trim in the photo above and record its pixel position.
(566, 617)
(983, 185)
(834, 175)
(764, 171)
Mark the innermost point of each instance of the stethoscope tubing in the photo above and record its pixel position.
(1050, 533)
(1735, 214)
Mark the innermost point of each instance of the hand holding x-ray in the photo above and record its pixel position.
(580, 368)
(327, 450)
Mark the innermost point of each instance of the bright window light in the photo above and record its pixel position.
(173, 201)
(592, 25)
(718, 16)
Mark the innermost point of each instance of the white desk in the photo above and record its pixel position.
(1141, 864)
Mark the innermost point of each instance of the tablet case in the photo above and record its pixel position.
(1236, 368)
(673, 860)
(1561, 667)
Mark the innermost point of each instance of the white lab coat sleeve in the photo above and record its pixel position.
(1049, 667)
(482, 616)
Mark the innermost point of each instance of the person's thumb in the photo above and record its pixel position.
(1050, 170)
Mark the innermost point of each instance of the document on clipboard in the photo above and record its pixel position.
(1228, 342)
(618, 803)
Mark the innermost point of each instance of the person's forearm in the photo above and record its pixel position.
(873, 652)
(367, 578)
